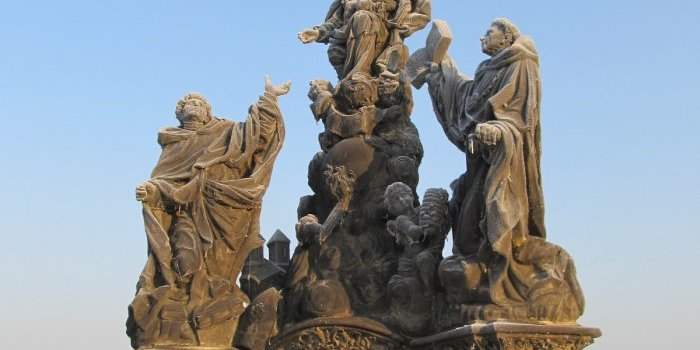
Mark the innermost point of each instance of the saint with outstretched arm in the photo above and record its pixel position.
(201, 212)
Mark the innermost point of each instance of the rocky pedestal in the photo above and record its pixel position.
(510, 336)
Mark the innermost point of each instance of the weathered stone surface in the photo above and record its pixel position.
(368, 133)
(503, 267)
(368, 272)
(420, 234)
(338, 334)
(201, 210)
(509, 336)
(436, 46)
(259, 322)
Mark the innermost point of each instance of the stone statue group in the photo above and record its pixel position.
(368, 249)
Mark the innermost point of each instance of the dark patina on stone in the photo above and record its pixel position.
(368, 271)
(509, 336)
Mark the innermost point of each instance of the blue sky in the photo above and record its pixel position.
(85, 85)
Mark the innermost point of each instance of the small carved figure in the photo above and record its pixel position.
(313, 288)
(201, 210)
(421, 234)
(434, 221)
(399, 201)
(363, 34)
(347, 113)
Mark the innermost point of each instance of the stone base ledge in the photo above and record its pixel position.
(510, 336)
(185, 347)
(353, 333)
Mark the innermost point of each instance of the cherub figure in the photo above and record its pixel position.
(313, 275)
(399, 201)
(347, 111)
(421, 233)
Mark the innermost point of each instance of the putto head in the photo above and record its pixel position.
(308, 219)
(501, 34)
(193, 111)
(398, 199)
(360, 90)
(318, 87)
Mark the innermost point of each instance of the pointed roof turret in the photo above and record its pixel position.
(278, 237)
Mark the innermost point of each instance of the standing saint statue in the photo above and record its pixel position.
(201, 210)
(501, 257)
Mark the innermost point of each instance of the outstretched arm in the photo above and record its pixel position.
(268, 111)
(322, 33)
(276, 90)
(448, 90)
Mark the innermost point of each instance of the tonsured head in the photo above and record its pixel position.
(500, 35)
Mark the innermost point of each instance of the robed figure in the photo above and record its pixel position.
(497, 206)
(201, 210)
(363, 34)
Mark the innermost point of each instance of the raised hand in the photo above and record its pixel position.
(309, 35)
(277, 90)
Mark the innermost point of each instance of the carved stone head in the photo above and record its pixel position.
(501, 34)
(398, 199)
(307, 229)
(308, 219)
(193, 111)
(359, 90)
(319, 87)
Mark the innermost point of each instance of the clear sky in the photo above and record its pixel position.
(85, 85)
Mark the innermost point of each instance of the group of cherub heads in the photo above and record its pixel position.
(356, 105)
(365, 40)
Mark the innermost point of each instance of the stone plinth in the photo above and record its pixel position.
(510, 336)
(176, 347)
(354, 333)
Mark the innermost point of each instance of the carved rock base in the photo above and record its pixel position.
(337, 334)
(510, 336)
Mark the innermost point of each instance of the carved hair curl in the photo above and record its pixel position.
(508, 28)
(192, 96)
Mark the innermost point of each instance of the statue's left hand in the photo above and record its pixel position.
(488, 134)
(277, 90)
(146, 192)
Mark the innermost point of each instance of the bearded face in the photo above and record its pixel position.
(193, 111)
(494, 41)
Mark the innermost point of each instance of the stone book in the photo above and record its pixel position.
(435, 50)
